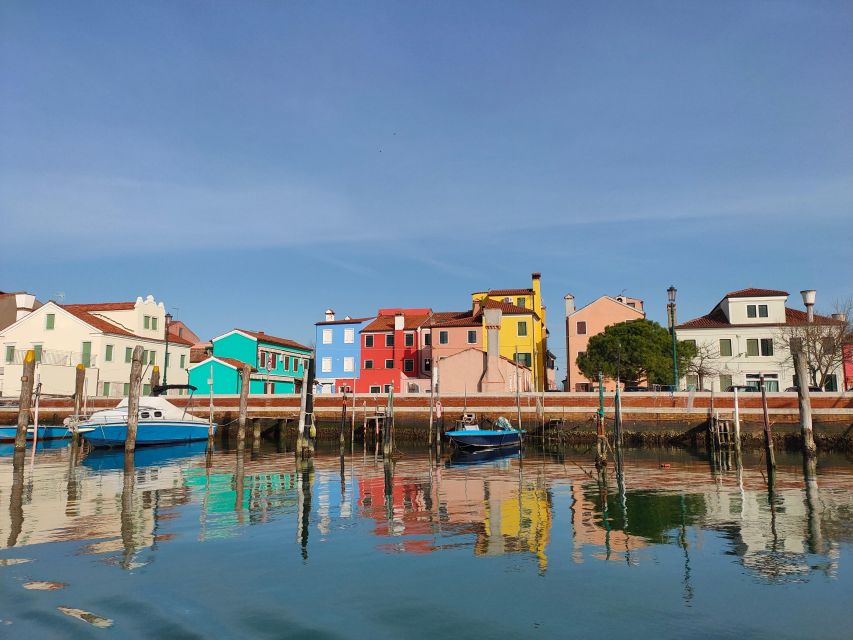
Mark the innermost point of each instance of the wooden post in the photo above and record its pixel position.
(343, 440)
(601, 450)
(210, 429)
(352, 426)
(25, 401)
(617, 401)
(244, 405)
(133, 400)
(737, 428)
(304, 438)
(79, 384)
(256, 437)
(768, 436)
(155, 377)
(517, 391)
(431, 408)
(804, 398)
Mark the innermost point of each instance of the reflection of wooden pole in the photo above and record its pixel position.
(25, 401)
(16, 498)
(244, 405)
(127, 534)
(804, 398)
(133, 400)
(210, 429)
(343, 440)
(768, 436)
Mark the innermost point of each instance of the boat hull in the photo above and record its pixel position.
(147, 433)
(484, 439)
(46, 432)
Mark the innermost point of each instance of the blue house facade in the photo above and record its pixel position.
(277, 364)
(338, 353)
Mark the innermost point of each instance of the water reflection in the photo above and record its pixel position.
(484, 505)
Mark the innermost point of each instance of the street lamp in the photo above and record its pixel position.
(670, 293)
(166, 366)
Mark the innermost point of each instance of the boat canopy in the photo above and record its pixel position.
(149, 404)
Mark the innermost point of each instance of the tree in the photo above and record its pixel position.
(822, 342)
(634, 351)
(705, 363)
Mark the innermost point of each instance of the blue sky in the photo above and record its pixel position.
(252, 163)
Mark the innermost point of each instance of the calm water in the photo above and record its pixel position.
(189, 546)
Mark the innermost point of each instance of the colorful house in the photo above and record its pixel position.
(391, 352)
(338, 352)
(277, 364)
(523, 329)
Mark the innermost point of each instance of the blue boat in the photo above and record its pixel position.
(483, 457)
(469, 435)
(46, 432)
(113, 459)
(160, 422)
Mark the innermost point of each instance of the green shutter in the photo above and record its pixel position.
(50, 322)
(128, 354)
(109, 355)
(10, 354)
(146, 389)
(146, 322)
(725, 382)
(151, 357)
(37, 348)
(106, 389)
(86, 358)
(125, 389)
(154, 323)
(183, 361)
(725, 348)
(752, 347)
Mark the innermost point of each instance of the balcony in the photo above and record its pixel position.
(51, 357)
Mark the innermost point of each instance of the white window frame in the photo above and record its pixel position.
(326, 365)
(349, 364)
(349, 336)
(327, 336)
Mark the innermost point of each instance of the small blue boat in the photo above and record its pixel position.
(160, 422)
(113, 459)
(469, 435)
(46, 432)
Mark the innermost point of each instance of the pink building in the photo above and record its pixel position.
(583, 323)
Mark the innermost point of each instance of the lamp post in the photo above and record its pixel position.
(671, 309)
(166, 362)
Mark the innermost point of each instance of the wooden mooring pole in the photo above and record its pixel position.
(79, 385)
(244, 405)
(601, 448)
(804, 398)
(133, 402)
(155, 377)
(343, 440)
(25, 400)
(737, 428)
(304, 437)
(768, 436)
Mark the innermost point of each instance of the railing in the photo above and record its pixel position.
(50, 357)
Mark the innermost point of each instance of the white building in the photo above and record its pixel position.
(100, 336)
(744, 335)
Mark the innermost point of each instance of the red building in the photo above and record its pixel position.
(848, 365)
(390, 352)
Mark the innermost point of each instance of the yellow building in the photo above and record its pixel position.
(522, 329)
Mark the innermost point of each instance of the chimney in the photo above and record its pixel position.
(399, 321)
(808, 300)
(330, 315)
(570, 304)
(493, 379)
(536, 275)
(840, 317)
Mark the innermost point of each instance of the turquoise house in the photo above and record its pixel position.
(277, 364)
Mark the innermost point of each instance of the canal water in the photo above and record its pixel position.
(222, 546)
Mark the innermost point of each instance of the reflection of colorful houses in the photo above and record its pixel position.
(277, 363)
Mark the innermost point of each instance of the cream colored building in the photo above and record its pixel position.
(101, 337)
(744, 337)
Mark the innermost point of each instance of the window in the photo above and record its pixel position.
(349, 336)
(472, 336)
(106, 389)
(633, 305)
(153, 323)
(524, 359)
(389, 364)
(831, 383)
(388, 388)
(692, 382)
(725, 348)
(522, 328)
(521, 302)
(389, 340)
(725, 382)
(152, 355)
(158, 414)
(767, 346)
(581, 327)
(146, 391)
(269, 388)
(368, 364)
(349, 364)
(752, 347)
(375, 389)
(368, 341)
(263, 359)
(128, 354)
(428, 339)
(180, 332)
(286, 364)
(692, 343)
(325, 365)
(183, 361)
(50, 321)
(408, 366)
(108, 355)
(273, 360)
(327, 336)
(10, 353)
(125, 389)
(86, 355)
(427, 365)
(443, 337)
(145, 414)
(410, 339)
(146, 322)
(581, 354)
(750, 311)
(762, 311)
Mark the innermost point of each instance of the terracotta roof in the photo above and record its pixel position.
(510, 292)
(386, 323)
(284, 342)
(176, 339)
(756, 293)
(104, 306)
(350, 321)
(717, 319)
(455, 319)
(508, 308)
(96, 321)
(234, 362)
